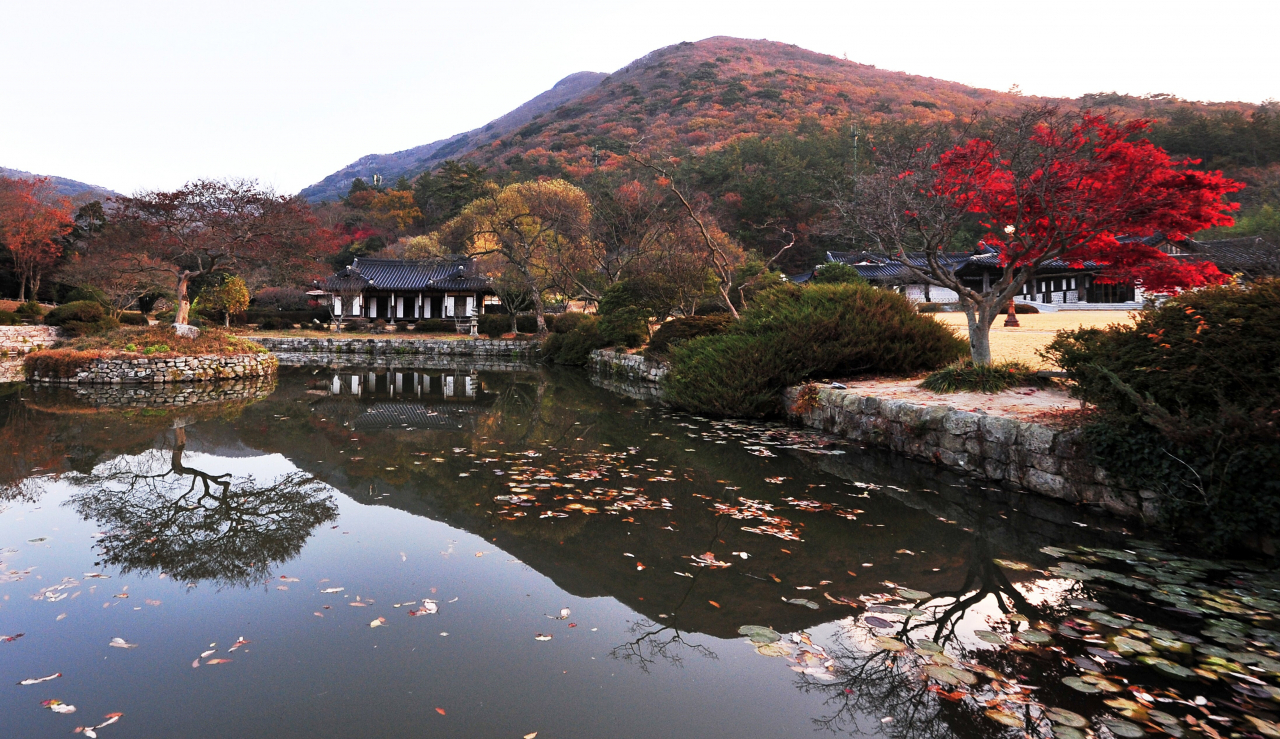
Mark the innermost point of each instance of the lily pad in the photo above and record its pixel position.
(989, 637)
(1010, 564)
(1035, 637)
(1102, 683)
(759, 634)
(950, 675)
(1107, 619)
(1068, 732)
(877, 622)
(1064, 717)
(802, 602)
(1123, 728)
(1076, 683)
(889, 643)
(910, 594)
(1006, 718)
(1086, 605)
(776, 649)
(925, 646)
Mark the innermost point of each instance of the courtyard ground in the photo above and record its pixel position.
(1036, 331)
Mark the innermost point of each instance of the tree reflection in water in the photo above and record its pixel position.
(883, 684)
(160, 514)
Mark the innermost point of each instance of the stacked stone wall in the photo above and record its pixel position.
(147, 370)
(630, 366)
(1017, 454)
(18, 341)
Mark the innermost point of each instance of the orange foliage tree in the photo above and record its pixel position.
(32, 225)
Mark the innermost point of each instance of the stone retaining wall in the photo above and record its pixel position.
(506, 348)
(630, 366)
(145, 370)
(1017, 454)
(16, 342)
(167, 395)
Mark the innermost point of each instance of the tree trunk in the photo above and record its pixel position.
(226, 319)
(184, 302)
(22, 289)
(980, 318)
(35, 285)
(537, 312)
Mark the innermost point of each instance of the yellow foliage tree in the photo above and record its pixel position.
(524, 229)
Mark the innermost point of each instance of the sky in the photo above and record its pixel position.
(134, 95)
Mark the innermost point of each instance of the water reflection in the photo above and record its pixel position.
(161, 514)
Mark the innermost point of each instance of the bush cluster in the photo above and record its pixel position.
(964, 375)
(30, 309)
(81, 318)
(573, 345)
(1189, 405)
(133, 318)
(8, 318)
(679, 330)
(793, 333)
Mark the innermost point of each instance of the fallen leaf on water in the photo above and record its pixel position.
(58, 706)
(377, 622)
(440, 711)
(217, 661)
(333, 590)
(34, 680)
(530, 736)
(543, 637)
(195, 663)
(239, 643)
(121, 643)
(712, 602)
(206, 654)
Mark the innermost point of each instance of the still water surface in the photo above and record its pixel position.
(483, 553)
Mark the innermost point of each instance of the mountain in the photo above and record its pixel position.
(692, 96)
(77, 192)
(412, 162)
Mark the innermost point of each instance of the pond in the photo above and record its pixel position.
(507, 550)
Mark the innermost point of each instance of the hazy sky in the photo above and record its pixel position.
(129, 94)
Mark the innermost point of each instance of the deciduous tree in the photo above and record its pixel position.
(212, 226)
(525, 224)
(1044, 185)
(32, 224)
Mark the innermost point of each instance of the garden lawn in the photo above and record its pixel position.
(1037, 330)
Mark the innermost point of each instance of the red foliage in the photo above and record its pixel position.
(1076, 187)
(32, 223)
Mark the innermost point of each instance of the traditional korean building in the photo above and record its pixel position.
(409, 289)
(1058, 282)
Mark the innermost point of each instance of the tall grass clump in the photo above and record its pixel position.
(964, 375)
(792, 333)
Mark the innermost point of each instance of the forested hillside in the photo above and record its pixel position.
(78, 192)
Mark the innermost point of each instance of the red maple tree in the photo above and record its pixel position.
(1045, 186)
(32, 223)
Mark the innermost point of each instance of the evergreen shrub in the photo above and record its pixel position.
(964, 375)
(1188, 406)
(574, 347)
(679, 330)
(8, 318)
(133, 318)
(791, 333)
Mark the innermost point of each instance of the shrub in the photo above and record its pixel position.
(623, 315)
(835, 273)
(83, 311)
(275, 323)
(1188, 401)
(680, 330)
(790, 334)
(494, 325)
(574, 347)
(570, 321)
(378, 326)
(61, 363)
(9, 319)
(964, 375)
(282, 298)
(86, 293)
(434, 325)
(30, 309)
(133, 318)
(1025, 308)
(356, 325)
(90, 328)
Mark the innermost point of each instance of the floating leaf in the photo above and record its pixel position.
(34, 680)
(1064, 717)
(925, 646)
(889, 643)
(950, 675)
(1010, 564)
(1004, 717)
(1123, 728)
(799, 602)
(776, 649)
(877, 622)
(910, 594)
(119, 643)
(1076, 683)
(989, 637)
(1035, 637)
(759, 634)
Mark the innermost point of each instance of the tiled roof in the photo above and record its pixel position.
(410, 274)
(1252, 255)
